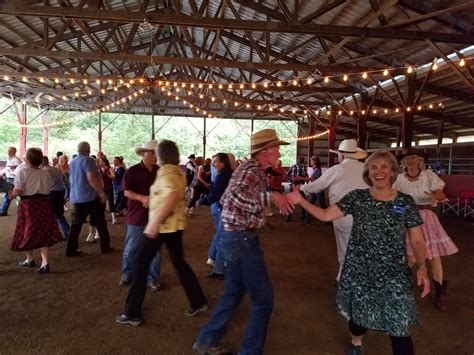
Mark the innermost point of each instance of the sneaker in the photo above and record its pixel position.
(210, 350)
(154, 286)
(90, 238)
(125, 320)
(124, 282)
(27, 263)
(191, 312)
(96, 236)
(210, 262)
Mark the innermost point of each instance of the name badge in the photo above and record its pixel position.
(398, 209)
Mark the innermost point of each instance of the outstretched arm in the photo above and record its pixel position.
(329, 214)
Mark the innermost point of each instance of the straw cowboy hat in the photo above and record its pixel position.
(349, 148)
(147, 147)
(266, 138)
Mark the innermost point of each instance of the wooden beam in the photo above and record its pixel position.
(121, 56)
(121, 16)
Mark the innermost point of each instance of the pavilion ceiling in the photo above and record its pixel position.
(82, 54)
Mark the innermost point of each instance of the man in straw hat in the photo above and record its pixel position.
(243, 205)
(136, 186)
(87, 195)
(341, 179)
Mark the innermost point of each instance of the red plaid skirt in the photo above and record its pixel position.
(36, 226)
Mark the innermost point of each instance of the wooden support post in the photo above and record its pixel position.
(399, 137)
(440, 139)
(332, 136)
(312, 131)
(100, 132)
(44, 120)
(407, 122)
(153, 125)
(251, 126)
(21, 115)
(362, 121)
(204, 136)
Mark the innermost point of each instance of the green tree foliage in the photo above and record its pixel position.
(122, 133)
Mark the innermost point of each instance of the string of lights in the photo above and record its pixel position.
(296, 82)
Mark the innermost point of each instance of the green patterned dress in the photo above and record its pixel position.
(375, 289)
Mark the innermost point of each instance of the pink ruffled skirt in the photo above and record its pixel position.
(437, 241)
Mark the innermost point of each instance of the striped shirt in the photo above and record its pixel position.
(245, 198)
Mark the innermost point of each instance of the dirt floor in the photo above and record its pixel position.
(72, 310)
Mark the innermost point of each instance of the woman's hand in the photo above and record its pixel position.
(422, 280)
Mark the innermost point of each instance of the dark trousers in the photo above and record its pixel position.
(198, 190)
(80, 211)
(400, 345)
(146, 252)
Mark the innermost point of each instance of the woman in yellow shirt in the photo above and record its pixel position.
(166, 222)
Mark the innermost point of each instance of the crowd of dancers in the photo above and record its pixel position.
(385, 226)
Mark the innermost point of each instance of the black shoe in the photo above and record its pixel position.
(210, 350)
(216, 275)
(125, 320)
(3, 214)
(355, 350)
(74, 253)
(191, 312)
(107, 250)
(27, 263)
(43, 269)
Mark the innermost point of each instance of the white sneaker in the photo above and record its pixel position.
(114, 219)
(90, 238)
(96, 236)
(210, 262)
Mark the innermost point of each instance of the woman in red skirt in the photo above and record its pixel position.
(36, 226)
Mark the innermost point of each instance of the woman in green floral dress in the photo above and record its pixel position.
(375, 290)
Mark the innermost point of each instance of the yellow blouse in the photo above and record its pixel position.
(168, 179)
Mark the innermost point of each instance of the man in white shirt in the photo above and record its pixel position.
(340, 180)
(12, 162)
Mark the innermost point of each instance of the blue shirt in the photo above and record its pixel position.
(218, 187)
(214, 173)
(81, 190)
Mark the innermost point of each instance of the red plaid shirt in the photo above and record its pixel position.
(245, 198)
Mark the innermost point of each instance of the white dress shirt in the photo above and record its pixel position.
(340, 179)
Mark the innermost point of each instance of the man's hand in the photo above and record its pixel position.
(295, 196)
(146, 201)
(283, 204)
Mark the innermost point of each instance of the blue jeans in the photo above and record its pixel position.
(132, 242)
(64, 226)
(245, 271)
(215, 252)
(6, 199)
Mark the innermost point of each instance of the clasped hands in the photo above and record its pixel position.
(286, 202)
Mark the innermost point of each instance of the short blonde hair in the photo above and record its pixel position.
(388, 157)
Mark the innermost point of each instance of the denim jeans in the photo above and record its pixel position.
(215, 252)
(132, 242)
(245, 271)
(6, 199)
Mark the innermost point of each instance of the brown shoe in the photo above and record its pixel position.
(440, 295)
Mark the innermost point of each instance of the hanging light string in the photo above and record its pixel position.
(120, 101)
(314, 136)
(295, 82)
(173, 89)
